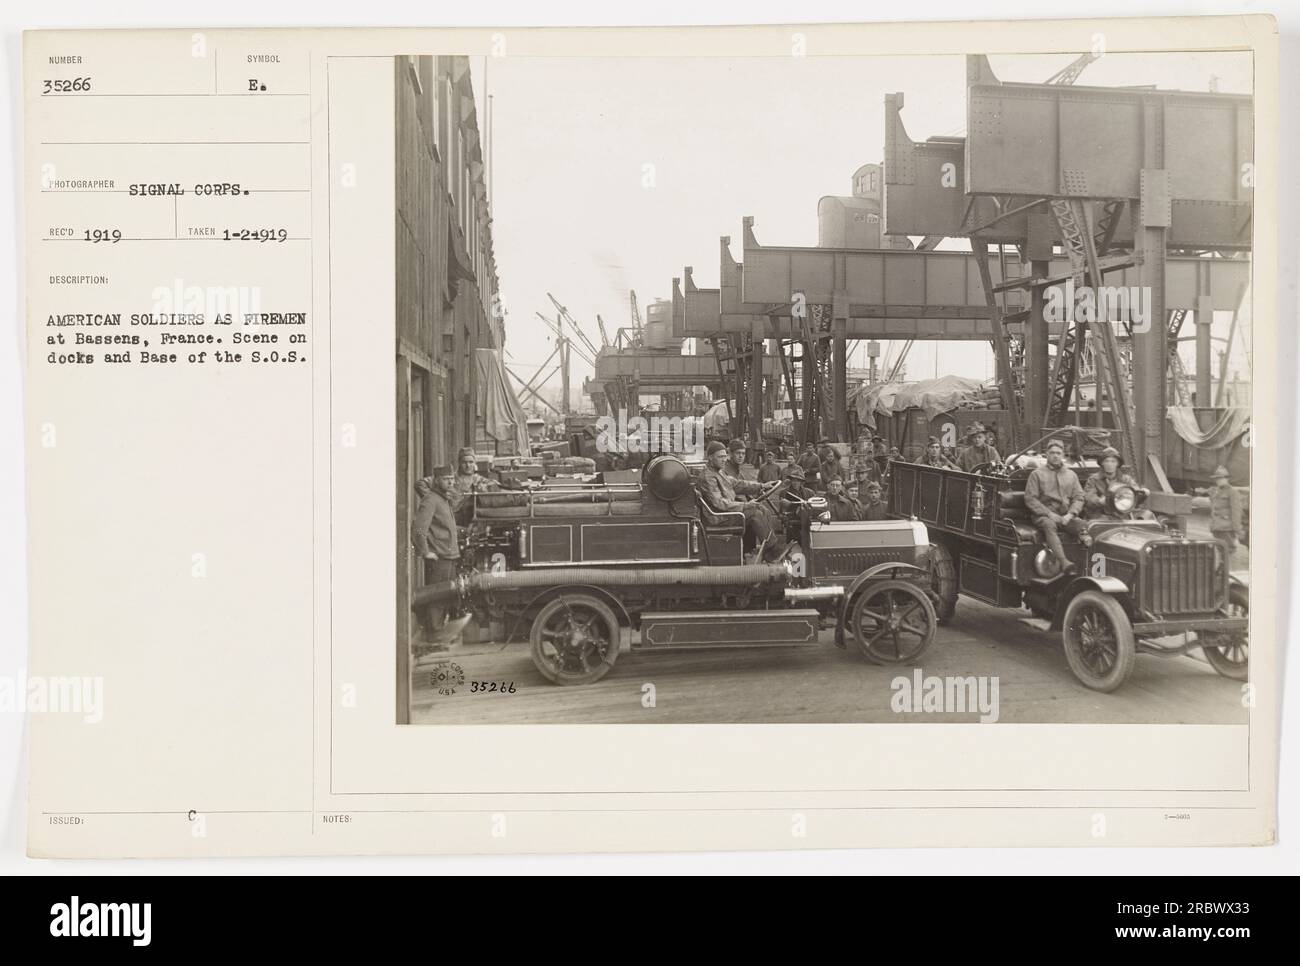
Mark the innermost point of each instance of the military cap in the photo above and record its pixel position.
(1108, 452)
(933, 441)
(1054, 442)
(1221, 472)
(736, 444)
(976, 427)
(835, 479)
(443, 471)
(715, 446)
(873, 485)
(466, 451)
(794, 472)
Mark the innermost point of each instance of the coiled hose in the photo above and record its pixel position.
(747, 575)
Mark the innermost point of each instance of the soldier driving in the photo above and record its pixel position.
(719, 491)
(979, 451)
(1054, 497)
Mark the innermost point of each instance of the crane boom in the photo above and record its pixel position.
(636, 317)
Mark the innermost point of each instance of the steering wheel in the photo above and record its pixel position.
(769, 491)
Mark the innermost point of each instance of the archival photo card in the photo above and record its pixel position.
(513, 440)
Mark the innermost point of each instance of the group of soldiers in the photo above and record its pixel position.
(852, 492)
(853, 488)
(434, 533)
(1058, 501)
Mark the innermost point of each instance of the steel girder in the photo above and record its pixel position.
(1027, 142)
(930, 294)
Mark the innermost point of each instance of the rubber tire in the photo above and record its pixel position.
(559, 603)
(943, 572)
(1239, 597)
(1126, 643)
(927, 609)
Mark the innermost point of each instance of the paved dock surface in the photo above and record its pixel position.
(821, 683)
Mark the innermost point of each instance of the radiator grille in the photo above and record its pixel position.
(840, 563)
(1181, 579)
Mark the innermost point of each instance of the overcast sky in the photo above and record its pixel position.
(727, 137)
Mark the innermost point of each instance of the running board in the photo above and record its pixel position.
(727, 628)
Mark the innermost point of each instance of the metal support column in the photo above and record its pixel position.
(1149, 334)
(1037, 365)
(839, 378)
(1001, 351)
(1204, 350)
(1038, 249)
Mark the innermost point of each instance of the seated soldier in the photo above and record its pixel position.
(1096, 489)
(934, 455)
(736, 450)
(838, 502)
(1055, 497)
(979, 452)
(874, 507)
(719, 492)
(468, 479)
(795, 482)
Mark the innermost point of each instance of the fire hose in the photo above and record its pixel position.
(747, 575)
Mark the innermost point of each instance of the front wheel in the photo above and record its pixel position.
(574, 639)
(1229, 654)
(1099, 642)
(943, 581)
(893, 621)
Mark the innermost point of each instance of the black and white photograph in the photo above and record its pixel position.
(524, 440)
(790, 389)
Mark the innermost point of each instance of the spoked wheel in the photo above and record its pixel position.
(943, 581)
(574, 639)
(1099, 642)
(1229, 654)
(893, 622)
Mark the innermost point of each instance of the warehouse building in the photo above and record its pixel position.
(450, 328)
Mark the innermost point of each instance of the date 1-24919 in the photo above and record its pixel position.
(256, 234)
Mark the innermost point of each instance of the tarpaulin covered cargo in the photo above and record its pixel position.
(498, 406)
(932, 396)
